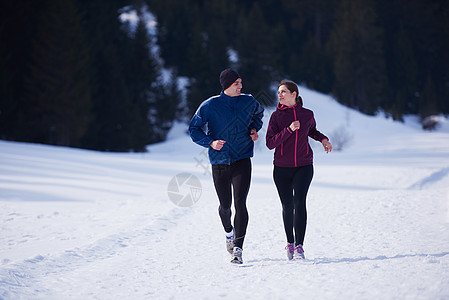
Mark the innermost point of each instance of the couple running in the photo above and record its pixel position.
(227, 125)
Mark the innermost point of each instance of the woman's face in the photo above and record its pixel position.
(286, 97)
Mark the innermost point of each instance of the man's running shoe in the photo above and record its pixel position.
(237, 256)
(230, 242)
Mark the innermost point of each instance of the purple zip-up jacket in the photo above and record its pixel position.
(292, 147)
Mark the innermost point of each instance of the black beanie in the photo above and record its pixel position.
(227, 77)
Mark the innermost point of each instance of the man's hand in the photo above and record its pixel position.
(217, 144)
(254, 135)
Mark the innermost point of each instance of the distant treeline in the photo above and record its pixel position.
(73, 74)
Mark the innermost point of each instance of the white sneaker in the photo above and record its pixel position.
(237, 256)
(230, 242)
(290, 250)
(299, 253)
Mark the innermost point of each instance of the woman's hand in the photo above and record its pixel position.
(327, 146)
(294, 125)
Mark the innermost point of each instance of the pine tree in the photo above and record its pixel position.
(18, 21)
(142, 71)
(405, 74)
(206, 56)
(421, 44)
(257, 60)
(57, 88)
(154, 96)
(309, 25)
(314, 66)
(175, 19)
(111, 127)
(163, 108)
(359, 66)
(444, 52)
(203, 81)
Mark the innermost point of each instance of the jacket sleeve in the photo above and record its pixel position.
(196, 130)
(315, 134)
(276, 136)
(257, 117)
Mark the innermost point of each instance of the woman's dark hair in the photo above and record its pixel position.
(292, 87)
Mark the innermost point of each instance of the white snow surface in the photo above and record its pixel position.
(78, 224)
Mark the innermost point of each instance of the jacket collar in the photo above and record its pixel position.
(223, 95)
(283, 107)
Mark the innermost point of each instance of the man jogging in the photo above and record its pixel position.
(227, 124)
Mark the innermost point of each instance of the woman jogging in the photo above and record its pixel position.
(288, 131)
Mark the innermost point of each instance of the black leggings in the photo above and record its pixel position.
(237, 175)
(292, 185)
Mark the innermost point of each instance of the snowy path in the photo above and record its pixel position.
(79, 224)
(379, 231)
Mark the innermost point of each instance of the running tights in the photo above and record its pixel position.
(292, 185)
(234, 178)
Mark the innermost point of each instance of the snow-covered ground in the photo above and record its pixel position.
(79, 224)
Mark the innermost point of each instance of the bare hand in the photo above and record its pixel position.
(217, 144)
(327, 146)
(254, 135)
(294, 125)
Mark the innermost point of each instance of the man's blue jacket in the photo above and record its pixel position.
(230, 119)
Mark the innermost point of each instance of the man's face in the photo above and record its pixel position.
(235, 88)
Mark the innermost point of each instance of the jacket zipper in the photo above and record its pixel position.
(296, 141)
(232, 103)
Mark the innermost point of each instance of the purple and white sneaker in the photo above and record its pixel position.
(299, 253)
(290, 250)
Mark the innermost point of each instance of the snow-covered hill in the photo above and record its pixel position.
(79, 224)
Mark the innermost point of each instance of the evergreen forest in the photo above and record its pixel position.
(74, 73)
